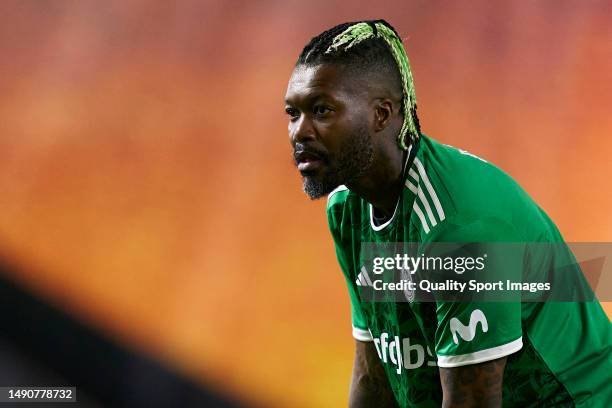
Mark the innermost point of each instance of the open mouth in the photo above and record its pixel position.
(308, 162)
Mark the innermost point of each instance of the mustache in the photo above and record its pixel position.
(311, 151)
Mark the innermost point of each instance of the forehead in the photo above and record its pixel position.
(326, 80)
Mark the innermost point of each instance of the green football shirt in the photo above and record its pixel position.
(559, 353)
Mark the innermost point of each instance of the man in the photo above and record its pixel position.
(356, 138)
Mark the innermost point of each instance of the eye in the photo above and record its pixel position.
(321, 110)
(292, 112)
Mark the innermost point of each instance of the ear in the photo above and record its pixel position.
(383, 113)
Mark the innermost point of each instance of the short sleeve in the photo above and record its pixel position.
(358, 320)
(471, 331)
(343, 253)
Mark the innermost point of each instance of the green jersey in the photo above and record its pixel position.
(558, 353)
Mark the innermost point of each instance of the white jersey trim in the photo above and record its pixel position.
(417, 184)
(362, 335)
(430, 189)
(341, 187)
(382, 226)
(413, 174)
(416, 207)
(419, 193)
(482, 355)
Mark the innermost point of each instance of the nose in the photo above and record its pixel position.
(301, 130)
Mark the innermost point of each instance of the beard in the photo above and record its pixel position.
(352, 162)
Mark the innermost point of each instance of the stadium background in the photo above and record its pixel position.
(148, 196)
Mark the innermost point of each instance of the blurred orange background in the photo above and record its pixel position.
(146, 180)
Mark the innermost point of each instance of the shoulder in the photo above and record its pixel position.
(474, 192)
(465, 181)
(336, 207)
(468, 228)
(336, 200)
(337, 196)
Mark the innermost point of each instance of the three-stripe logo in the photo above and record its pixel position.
(424, 204)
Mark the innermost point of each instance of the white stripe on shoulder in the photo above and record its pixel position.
(413, 174)
(430, 189)
(419, 193)
(419, 212)
(341, 187)
(411, 187)
(416, 207)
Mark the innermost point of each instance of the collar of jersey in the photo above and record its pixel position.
(412, 153)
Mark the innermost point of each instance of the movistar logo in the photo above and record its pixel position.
(468, 332)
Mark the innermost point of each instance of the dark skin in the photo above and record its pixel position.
(324, 105)
(327, 106)
(369, 385)
(474, 385)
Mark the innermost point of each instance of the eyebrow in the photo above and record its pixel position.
(312, 96)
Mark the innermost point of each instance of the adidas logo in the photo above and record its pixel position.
(363, 279)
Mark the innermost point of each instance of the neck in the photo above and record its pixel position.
(383, 184)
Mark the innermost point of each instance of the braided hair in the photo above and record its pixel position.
(370, 46)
